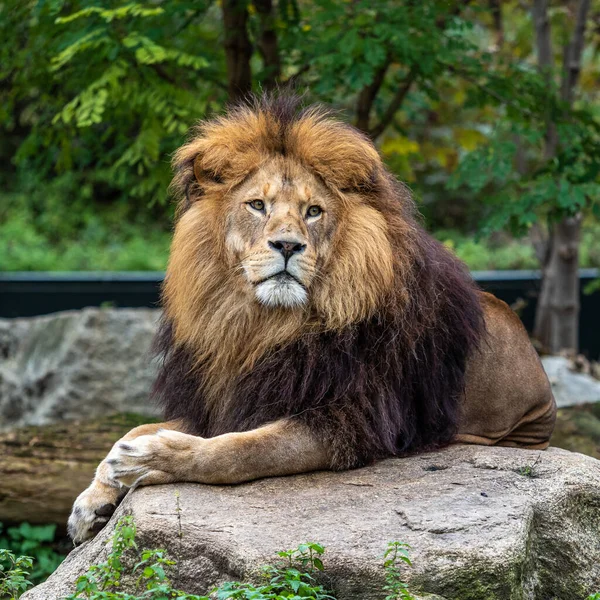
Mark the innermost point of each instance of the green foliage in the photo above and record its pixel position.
(149, 576)
(292, 578)
(489, 253)
(410, 37)
(97, 96)
(35, 541)
(521, 182)
(101, 582)
(14, 572)
(127, 82)
(38, 232)
(530, 470)
(564, 186)
(501, 251)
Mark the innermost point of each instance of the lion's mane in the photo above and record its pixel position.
(375, 365)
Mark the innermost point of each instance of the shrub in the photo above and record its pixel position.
(13, 574)
(35, 541)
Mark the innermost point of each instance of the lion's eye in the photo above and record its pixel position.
(258, 205)
(314, 211)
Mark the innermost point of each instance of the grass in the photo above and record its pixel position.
(47, 234)
(578, 429)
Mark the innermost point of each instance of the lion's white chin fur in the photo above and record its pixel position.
(285, 292)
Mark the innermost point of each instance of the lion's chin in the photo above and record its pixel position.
(281, 291)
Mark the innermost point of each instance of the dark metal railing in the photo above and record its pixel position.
(31, 293)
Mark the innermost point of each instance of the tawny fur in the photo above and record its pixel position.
(393, 351)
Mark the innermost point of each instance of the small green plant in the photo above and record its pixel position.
(14, 573)
(396, 553)
(101, 582)
(292, 579)
(530, 470)
(37, 541)
(594, 596)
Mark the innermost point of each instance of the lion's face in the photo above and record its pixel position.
(278, 230)
(283, 224)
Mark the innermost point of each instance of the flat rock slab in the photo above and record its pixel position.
(483, 523)
(76, 365)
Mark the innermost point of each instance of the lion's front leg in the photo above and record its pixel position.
(94, 506)
(280, 448)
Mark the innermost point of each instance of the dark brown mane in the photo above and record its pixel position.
(384, 385)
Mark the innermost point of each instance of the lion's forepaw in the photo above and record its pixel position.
(149, 459)
(92, 510)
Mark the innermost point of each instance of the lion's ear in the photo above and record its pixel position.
(205, 176)
(198, 166)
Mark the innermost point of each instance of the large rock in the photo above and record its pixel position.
(569, 387)
(483, 523)
(76, 364)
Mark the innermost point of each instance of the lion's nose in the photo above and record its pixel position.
(287, 248)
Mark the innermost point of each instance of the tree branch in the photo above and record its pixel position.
(395, 104)
(573, 52)
(367, 96)
(362, 121)
(541, 24)
(484, 88)
(540, 240)
(496, 10)
(543, 41)
(292, 80)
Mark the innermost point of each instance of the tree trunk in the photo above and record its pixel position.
(238, 49)
(267, 43)
(564, 273)
(43, 469)
(557, 313)
(543, 247)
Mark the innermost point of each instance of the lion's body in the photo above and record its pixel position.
(508, 399)
(310, 322)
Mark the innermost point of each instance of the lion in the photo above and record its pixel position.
(311, 323)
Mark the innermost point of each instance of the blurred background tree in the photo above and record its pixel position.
(487, 109)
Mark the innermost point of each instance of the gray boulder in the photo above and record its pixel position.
(569, 387)
(483, 523)
(75, 364)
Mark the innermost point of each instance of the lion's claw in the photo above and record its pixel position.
(106, 511)
(92, 511)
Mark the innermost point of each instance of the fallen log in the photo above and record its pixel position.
(44, 468)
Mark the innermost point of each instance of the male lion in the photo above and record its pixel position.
(311, 323)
